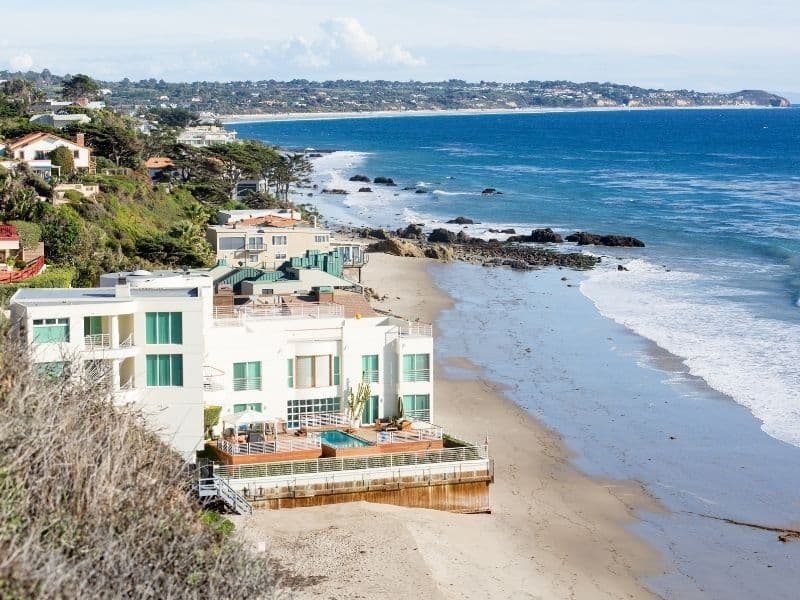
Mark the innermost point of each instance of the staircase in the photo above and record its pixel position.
(214, 487)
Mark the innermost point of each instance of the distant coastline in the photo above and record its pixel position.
(322, 116)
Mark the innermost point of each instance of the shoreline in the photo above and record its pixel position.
(554, 532)
(455, 112)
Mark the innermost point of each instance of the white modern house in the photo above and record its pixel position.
(206, 135)
(159, 341)
(34, 149)
(60, 121)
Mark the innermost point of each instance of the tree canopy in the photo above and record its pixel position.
(79, 86)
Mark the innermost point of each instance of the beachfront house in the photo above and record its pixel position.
(34, 150)
(206, 135)
(172, 343)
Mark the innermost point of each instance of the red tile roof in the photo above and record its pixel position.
(8, 232)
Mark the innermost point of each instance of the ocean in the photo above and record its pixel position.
(682, 372)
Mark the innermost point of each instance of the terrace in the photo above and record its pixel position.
(323, 435)
(238, 315)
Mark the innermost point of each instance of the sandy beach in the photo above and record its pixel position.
(553, 531)
(321, 116)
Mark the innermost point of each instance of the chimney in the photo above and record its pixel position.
(80, 139)
(122, 289)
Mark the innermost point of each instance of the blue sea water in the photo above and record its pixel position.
(715, 194)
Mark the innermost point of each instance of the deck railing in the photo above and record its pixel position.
(432, 432)
(97, 340)
(292, 468)
(32, 269)
(416, 330)
(232, 315)
(241, 384)
(311, 421)
(311, 442)
(423, 414)
(417, 375)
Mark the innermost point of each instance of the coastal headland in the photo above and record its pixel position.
(553, 531)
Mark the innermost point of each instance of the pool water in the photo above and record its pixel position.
(340, 439)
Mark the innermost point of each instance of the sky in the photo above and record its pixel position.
(709, 45)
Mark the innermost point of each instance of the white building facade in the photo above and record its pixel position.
(160, 343)
(206, 135)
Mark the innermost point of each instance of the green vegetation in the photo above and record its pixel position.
(94, 505)
(133, 222)
(52, 277)
(30, 234)
(211, 417)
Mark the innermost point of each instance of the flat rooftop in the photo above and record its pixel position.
(47, 296)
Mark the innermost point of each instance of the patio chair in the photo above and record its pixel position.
(255, 437)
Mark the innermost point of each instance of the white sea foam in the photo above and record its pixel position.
(754, 360)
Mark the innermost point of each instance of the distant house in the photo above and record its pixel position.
(61, 121)
(206, 135)
(11, 247)
(158, 164)
(34, 150)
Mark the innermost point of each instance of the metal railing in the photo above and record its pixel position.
(97, 340)
(423, 414)
(312, 442)
(232, 315)
(428, 433)
(311, 421)
(416, 330)
(127, 342)
(417, 375)
(478, 452)
(242, 384)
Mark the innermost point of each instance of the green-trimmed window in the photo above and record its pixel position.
(164, 370)
(51, 370)
(313, 371)
(369, 368)
(290, 372)
(164, 327)
(254, 406)
(246, 376)
(336, 371)
(417, 406)
(92, 325)
(370, 414)
(46, 331)
(416, 367)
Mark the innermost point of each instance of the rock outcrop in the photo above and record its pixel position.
(539, 236)
(441, 236)
(397, 247)
(384, 181)
(361, 178)
(440, 252)
(461, 221)
(583, 238)
(490, 192)
(411, 232)
(365, 189)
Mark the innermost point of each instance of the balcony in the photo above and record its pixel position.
(412, 330)
(413, 375)
(243, 384)
(97, 341)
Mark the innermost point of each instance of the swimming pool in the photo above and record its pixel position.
(339, 439)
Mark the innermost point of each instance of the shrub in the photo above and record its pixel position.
(106, 511)
(74, 196)
(211, 416)
(62, 157)
(52, 277)
(30, 234)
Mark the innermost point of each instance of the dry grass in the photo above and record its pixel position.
(92, 505)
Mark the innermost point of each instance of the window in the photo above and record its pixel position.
(417, 406)
(416, 367)
(252, 257)
(370, 414)
(313, 371)
(254, 406)
(50, 330)
(279, 240)
(369, 368)
(336, 376)
(280, 255)
(290, 374)
(51, 370)
(76, 154)
(231, 243)
(255, 243)
(321, 239)
(164, 370)
(298, 408)
(246, 376)
(164, 327)
(39, 155)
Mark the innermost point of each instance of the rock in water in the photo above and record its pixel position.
(622, 241)
(361, 178)
(365, 189)
(461, 221)
(384, 180)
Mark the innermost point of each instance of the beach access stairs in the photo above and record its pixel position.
(212, 488)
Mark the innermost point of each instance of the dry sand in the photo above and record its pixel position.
(553, 531)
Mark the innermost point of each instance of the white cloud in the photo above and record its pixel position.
(343, 43)
(21, 62)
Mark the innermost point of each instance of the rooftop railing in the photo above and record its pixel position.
(429, 433)
(416, 330)
(301, 310)
(279, 469)
(311, 442)
(315, 420)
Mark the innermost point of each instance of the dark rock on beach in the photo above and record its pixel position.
(583, 238)
(384, 180)
(365, 189)
(361, 178)
(442, 236)
(411, 232)
(378, 234)
(335, 191)
(538, 236)
(461, 221)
